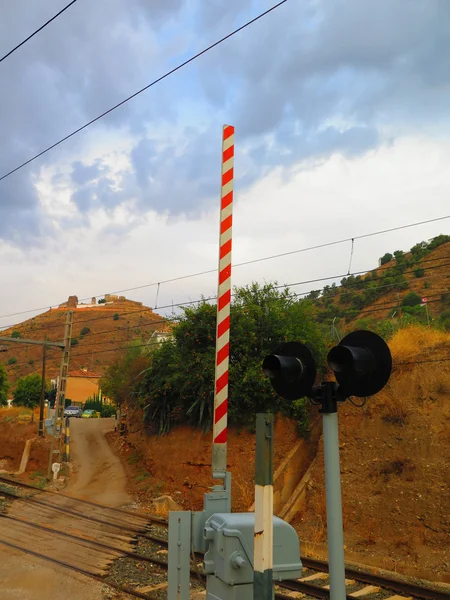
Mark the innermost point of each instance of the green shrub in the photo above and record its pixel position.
(385, 258)
(102, 301)
(108, 410)
(116, 317)
(438, 241)
(419, 272)
(299, 411)
(12, 360)
(444, 320)
(445, 298)
(419, 250)
(74, 341)
(85, 331)
(16, 334)
(411, 299)
(28, 390)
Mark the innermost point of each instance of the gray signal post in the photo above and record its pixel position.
(362, 365)
(333, 495)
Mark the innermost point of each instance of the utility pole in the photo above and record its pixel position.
(41, 409)
(60, 395)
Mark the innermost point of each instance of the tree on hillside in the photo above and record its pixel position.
(179, 385)
(438, 241)
(411, 299)
(4, 386)
(124, 374)
(28, 390)
(419, 250)
(386, 258)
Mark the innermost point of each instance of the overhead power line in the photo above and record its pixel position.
(154, 82)
(37, 31)
(366, 312)
(131, 345)
(285, 285)
(241, 264)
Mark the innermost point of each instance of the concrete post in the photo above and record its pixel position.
(42, 400)
(263, 537)
(66, 457)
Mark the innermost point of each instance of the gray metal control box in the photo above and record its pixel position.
(229, 542)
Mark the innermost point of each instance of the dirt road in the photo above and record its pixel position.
(98, 476)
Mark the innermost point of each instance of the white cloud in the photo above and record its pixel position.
(338, 198)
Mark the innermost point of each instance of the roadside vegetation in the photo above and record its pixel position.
(173, 383)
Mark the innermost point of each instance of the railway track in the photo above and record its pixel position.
(91, 539)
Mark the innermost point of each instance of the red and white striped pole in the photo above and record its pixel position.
(219, 456)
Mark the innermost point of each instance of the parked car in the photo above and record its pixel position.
(72, 411)
(90, 414)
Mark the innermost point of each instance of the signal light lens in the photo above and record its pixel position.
(291, 370)
(362, 363)
(291, 367)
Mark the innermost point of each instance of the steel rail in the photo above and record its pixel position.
(418, 590)
(61, 563)
(123, 552)
(68, 511)
(137, 515)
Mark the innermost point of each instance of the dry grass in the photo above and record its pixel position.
(317, 516)
(244, 495)
(415, 386)
(413, 343)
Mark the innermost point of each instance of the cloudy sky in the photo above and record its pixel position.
(342, 118)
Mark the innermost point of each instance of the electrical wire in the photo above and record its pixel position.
(273, 256)
(131, 345)
(360, 405)
(154, 82)
(37, 31)
(167, 320)
(287, 285)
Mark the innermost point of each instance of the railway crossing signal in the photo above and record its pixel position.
(362, 365)
(244, 552)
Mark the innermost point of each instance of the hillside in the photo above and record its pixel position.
(99, 330)
(367, 300)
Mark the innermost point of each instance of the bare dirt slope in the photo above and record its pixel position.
(179, 464)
